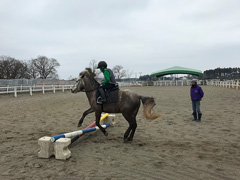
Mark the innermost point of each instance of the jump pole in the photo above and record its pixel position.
(90, 126)
(59, 148)
(77, 133)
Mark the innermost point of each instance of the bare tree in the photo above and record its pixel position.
(119, 72)
(92, 69)
(10, 68)
(93, 65)
(23, 70)
(45, 67)
(32, 70)
(129, 74)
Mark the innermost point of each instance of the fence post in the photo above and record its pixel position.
(54, 89)
(21, 88)
(43, 90)
(237, 84)
(30, 90)
(7, 88)
(63, 88)
(15, 91)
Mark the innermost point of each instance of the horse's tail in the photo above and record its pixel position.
(148, 104)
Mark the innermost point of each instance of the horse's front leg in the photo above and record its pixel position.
(90, 110)
(98, 116)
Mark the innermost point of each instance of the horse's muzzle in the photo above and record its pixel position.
(73, 90)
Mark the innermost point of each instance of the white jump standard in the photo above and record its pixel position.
(58, 145)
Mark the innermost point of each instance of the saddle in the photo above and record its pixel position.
(111, 95)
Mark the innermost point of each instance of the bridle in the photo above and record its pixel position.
(84, 90)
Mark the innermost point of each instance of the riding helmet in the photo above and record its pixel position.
(194, 80)
(102, 64)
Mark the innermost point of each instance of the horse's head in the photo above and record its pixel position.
(79, 85)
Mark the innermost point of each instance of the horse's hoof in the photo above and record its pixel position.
(129, 139)
(125, 140)
(106, 133)
(79, 125)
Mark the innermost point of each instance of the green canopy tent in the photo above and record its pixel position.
(177, 70)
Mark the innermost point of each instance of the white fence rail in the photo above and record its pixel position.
(44, 88)
(175, 83)
(39, 88)
(227, 84)
(31, 89)
(235, 84)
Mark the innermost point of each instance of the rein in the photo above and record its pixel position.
(84, 90)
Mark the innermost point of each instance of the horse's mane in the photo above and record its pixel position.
(88, 75)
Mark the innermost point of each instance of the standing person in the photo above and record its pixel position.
(197, 94)
(109, 81)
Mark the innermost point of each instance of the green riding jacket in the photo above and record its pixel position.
(106, 74)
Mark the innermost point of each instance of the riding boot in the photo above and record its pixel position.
(199, 117)
(195, 116)
(103, 95)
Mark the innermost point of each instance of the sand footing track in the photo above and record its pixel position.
(170, 147)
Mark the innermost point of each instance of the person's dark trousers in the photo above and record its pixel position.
(101, 90)
(196, 109)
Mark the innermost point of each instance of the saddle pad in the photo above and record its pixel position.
(112, 96)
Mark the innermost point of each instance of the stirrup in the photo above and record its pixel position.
(98, 100)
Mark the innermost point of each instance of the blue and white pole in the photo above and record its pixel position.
(77, 133)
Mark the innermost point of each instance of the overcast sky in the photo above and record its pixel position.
(141, 35)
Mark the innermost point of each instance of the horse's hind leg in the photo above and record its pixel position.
(98, 116)
(132, 127)
(90, 110)
(126, 134)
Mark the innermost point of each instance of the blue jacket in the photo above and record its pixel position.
(196, 93)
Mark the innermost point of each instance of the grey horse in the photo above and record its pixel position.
(128, 104)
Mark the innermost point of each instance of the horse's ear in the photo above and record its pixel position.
(81, 75)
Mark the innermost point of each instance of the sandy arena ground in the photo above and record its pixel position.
(170, 147)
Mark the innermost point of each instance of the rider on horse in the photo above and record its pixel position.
(109, 81)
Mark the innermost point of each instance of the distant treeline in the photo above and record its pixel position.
(222, 73)
(40, 67)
